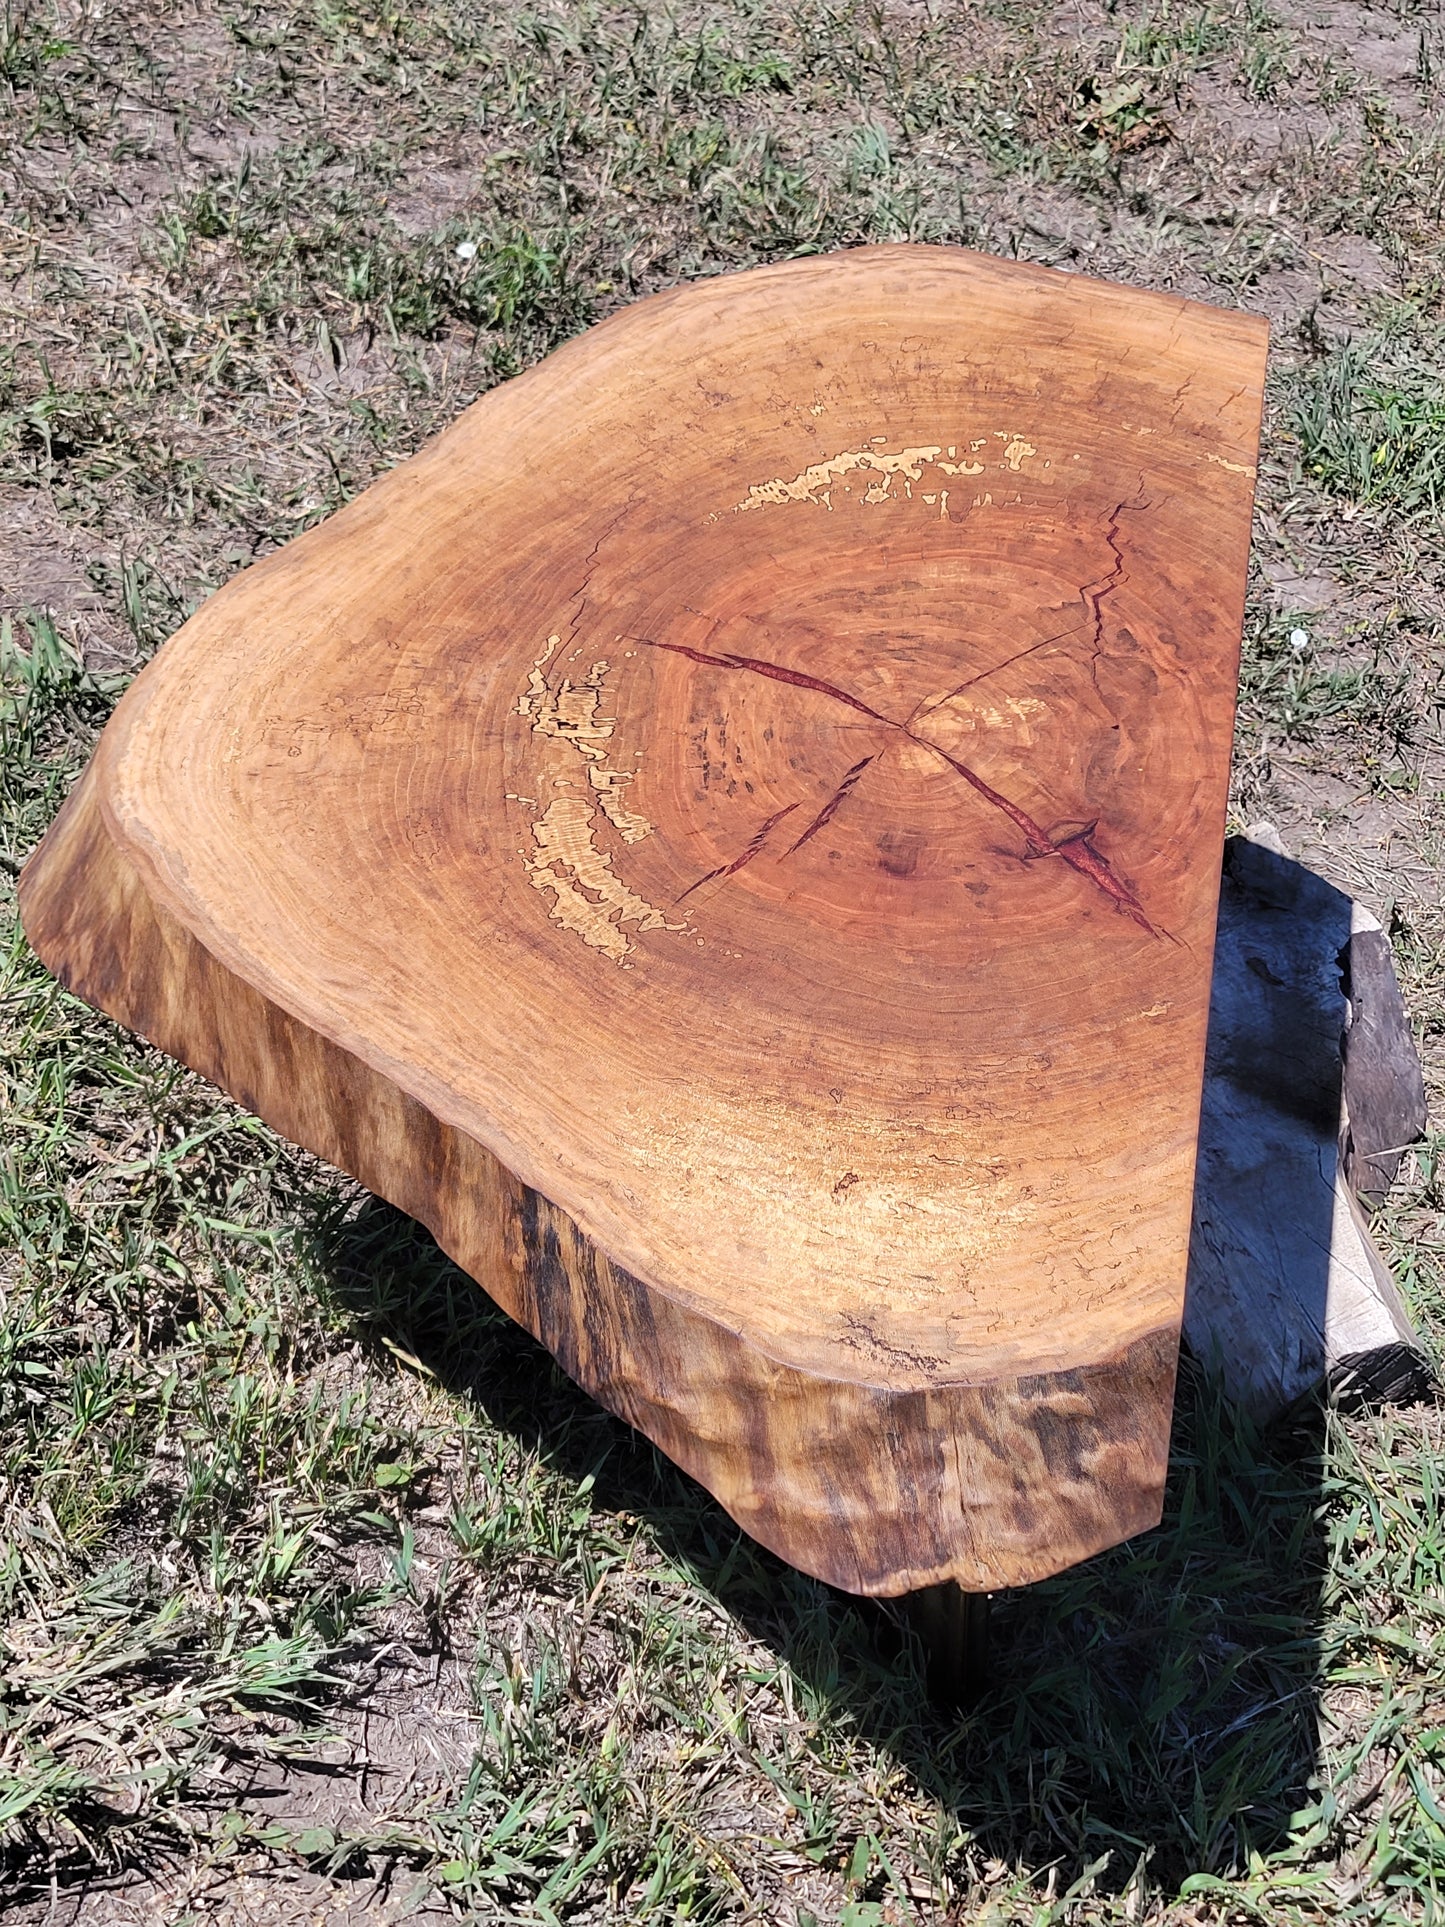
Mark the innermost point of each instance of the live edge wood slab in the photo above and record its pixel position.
(729, 837)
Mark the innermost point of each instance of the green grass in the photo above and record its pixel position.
(279, 1492)
(1370, 423)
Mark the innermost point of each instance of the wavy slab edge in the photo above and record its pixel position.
(873, 1489)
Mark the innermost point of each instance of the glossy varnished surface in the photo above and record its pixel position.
(760, 778)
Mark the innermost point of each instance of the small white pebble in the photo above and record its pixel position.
(1299, 639)
(466, 250)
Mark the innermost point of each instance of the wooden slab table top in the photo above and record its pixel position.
(729, 837)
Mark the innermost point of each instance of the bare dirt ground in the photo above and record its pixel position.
(325, 1598)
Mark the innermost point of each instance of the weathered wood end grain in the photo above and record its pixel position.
(729, 838)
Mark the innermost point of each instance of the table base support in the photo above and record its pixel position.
(953, 1628)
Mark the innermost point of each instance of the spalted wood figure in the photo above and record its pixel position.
(729, 837)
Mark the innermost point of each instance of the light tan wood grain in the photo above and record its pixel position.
(729, 836)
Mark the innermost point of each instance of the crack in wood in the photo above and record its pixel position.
(929, 708)
(754, 848)
(1078, 849)
(1093, 593)
(834, 802)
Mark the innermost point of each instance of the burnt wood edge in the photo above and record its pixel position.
(872, 1489)
(1384, 1081)
(1389, 1375)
